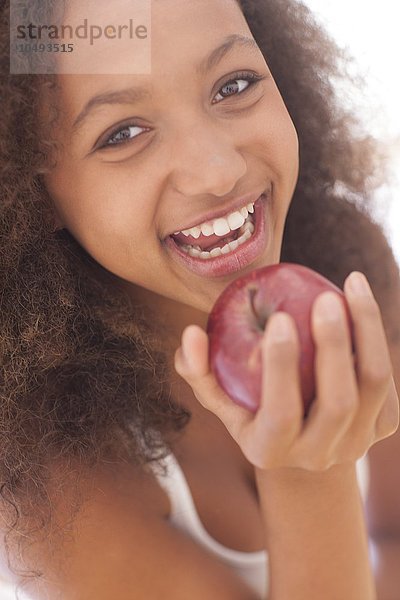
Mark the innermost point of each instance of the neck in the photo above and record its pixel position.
(172, 317)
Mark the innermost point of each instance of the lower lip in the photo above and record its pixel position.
(240, 258)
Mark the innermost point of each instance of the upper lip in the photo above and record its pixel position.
(222, 211)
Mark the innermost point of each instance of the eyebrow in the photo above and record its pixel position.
(132, 95)
(231, 42)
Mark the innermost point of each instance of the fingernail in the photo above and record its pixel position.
(279, 327)
(359, 285)
(329, 307)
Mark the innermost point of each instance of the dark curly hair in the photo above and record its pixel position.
(83, 378)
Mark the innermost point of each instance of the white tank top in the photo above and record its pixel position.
(250, 566)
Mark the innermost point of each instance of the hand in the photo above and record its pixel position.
(356, 403)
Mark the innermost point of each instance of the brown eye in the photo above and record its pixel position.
(238, 84)
(122, 135)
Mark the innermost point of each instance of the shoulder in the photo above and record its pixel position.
(88, 506)
(120, 545)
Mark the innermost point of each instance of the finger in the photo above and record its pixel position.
(374, 367)
(192, 363)
(280, 414)
(336, 401)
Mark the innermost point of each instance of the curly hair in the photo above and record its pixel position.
(83, 379)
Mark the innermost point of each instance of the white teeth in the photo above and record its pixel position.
(194, 232)
(246, 232)
(233, 245)
(236, 220)
(221, 226)
(248, 226)
(215, 252)
(207, 229)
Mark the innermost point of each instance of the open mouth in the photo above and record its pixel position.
(219, 255)
(214, 245)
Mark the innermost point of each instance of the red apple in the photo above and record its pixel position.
(237, 321)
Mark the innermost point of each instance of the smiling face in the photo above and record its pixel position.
(191, 148)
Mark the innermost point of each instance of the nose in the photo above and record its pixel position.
(205, 161)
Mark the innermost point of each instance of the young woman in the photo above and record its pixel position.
(125, 470)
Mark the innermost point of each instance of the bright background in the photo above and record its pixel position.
(370, 32)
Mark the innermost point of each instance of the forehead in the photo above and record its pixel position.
(184, 34)
(172, 27)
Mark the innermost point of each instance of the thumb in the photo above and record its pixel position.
(190, 357)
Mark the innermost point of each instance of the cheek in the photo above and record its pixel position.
(94, 200)
(284, 140)
(103, 211)
(283, 150)
(276, 136)
(290, 143)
